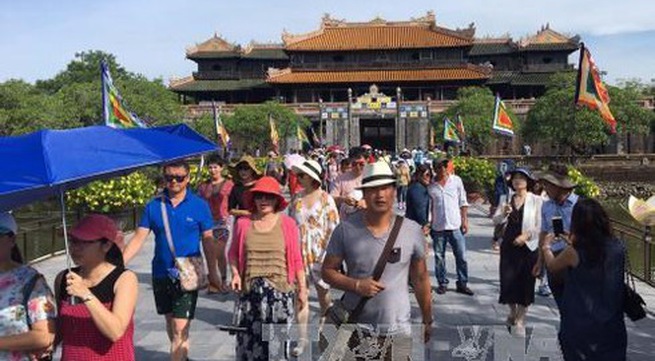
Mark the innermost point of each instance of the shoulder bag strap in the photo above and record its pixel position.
(167, 227)
(379, 267)
(27, 292)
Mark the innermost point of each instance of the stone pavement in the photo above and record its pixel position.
(467, 328)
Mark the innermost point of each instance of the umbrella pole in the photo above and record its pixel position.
(62, 204)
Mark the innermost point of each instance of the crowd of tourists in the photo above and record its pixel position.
(360, 222)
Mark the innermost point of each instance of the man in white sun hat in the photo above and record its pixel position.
(361, 241)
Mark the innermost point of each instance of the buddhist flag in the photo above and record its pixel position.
(115, 113)
(590, 90)
(460, 126)
(502, 122)
(219, 127)
(450, 131)
(274, 135)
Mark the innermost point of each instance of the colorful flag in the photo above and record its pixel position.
(115, 113)
(450, 131)
(460, 126)
(502, 121)
(219, 127)
(590, 90)
(302, 136)
(274, 135)
(315, 139)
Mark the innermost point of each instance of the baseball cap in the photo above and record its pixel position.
(7, 223)
(94, 227)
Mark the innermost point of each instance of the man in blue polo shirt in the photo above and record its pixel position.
(190, 222)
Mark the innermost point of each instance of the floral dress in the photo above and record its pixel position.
(13, 315)
(316, 226)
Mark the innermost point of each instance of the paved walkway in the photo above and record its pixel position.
(467, 328)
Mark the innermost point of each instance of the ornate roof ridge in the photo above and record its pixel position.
(546, 35)
(175, 81)
(488, 39)
(214, 44)
(253, 45)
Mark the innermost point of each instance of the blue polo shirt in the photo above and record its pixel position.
(551, 209)
(188, 221)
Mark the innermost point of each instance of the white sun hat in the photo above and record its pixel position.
(309, 167)
(377, 174)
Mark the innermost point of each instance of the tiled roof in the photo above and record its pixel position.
(265, 53)
(212, 48)
(288, 76)
(547, 39)
(519, 78)
(378, 37)
(550, 47)
(190, 85)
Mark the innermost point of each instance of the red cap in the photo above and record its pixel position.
(94, 227)
(268, 185)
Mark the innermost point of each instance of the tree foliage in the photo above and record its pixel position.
(249, 126)
(476, 107)
(73, 98)
(554, 118)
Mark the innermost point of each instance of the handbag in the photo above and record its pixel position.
(190, 270)
(337, 313)
(633, 304)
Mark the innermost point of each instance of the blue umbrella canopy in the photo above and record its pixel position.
(48, 162)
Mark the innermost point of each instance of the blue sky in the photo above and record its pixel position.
(39, 37)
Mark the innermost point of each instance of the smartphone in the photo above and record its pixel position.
(558, 226)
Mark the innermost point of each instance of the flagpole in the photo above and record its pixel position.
(103, 93)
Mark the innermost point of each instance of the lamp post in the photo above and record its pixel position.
(350, 117)
(398, 126)
(320, 122)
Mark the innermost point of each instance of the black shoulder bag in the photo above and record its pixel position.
(337, 314)
(633, 303)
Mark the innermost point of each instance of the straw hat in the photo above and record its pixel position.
(556, 175)
(250, 161)
(268, 185)
(377, 174)
(309, 167)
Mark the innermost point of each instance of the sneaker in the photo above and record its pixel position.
(544, 291)
(442, 289)
(463, 289)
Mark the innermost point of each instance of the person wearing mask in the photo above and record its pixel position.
(592, 325)
(267, 268)
(181, 222)
(27, 306)
(99, 323)
(317, 216)
(216, 192)
(418, 198)
(449, 225)
(556, 218)
(520, 218)
(245, 174)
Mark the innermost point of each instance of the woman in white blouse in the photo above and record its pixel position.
(520, 213)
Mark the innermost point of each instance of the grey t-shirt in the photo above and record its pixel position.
(389, 311)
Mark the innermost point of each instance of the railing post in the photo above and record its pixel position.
(648, 271)
(53, 239)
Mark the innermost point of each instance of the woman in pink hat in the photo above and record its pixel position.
(267, 268)
(99, 325)
(27, 307)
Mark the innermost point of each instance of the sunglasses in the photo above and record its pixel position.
(266, 196)
(178, 178)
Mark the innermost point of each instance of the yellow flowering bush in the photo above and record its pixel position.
(586, 186)
(116, 194)
(476, 173)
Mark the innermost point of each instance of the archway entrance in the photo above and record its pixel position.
(378, 133)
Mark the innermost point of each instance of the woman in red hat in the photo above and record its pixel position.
(99, 325)
(267, 268)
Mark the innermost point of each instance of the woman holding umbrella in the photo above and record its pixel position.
(100, 325)
(27, 307)
(267, 268)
